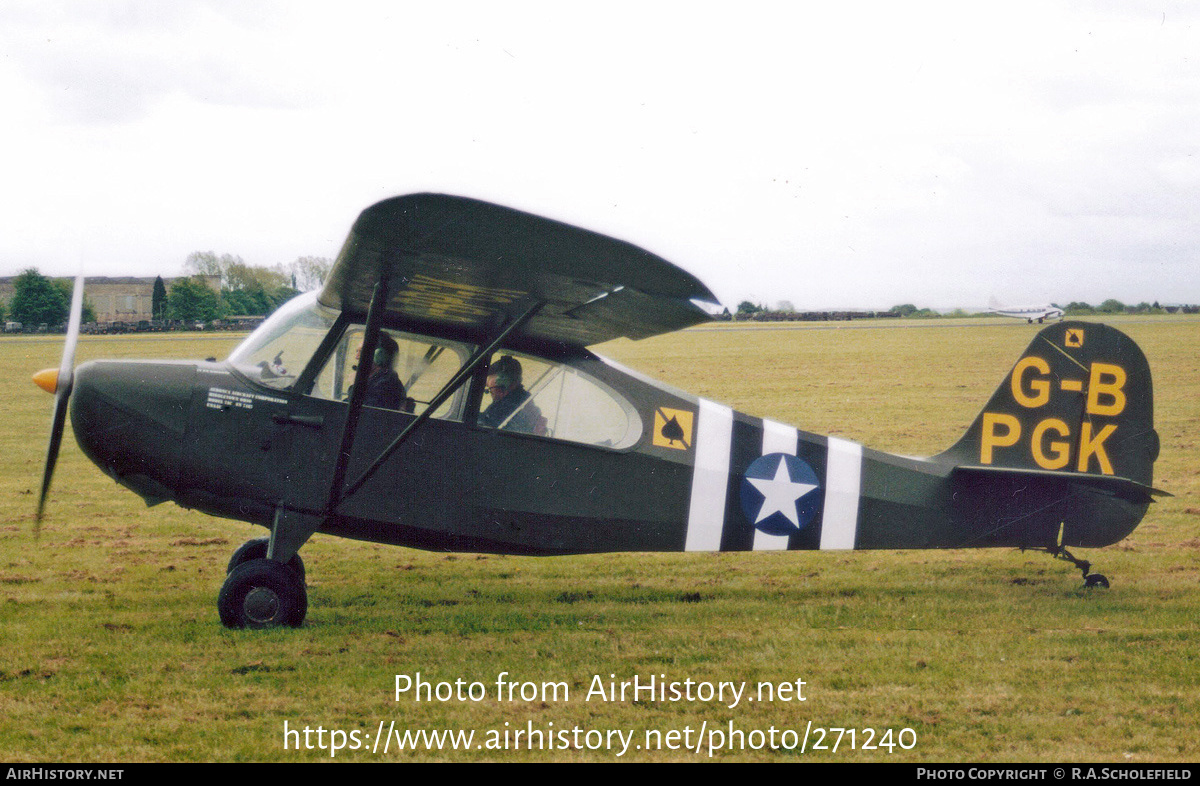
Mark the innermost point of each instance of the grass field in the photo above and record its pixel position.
(113, 650)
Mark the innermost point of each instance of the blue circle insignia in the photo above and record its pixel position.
(777, 494)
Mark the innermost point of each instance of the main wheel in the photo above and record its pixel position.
(262, 593)
(256, 548)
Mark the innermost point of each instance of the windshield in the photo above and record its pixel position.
(281, 347)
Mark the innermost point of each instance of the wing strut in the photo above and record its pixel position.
(375, 314)
(448, 390)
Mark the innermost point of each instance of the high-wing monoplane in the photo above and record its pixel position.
(438, 393)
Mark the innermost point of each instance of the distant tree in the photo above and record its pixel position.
(3, 310)
(158, 300)
(36, 299)
(1111, 306)
(239, 275)
(251, 289)
(208, 263)
(905, 310)
(746, 308)
(249, 300)
(1075, 308)
(309, 273)
(256, 298)
(191, 299)
(67, 287)
(202, 263)
(785, 305)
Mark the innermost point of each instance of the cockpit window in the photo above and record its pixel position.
(533, 396)
(411, 371)
(279, 349)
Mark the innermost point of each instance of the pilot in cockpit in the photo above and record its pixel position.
(511, 408)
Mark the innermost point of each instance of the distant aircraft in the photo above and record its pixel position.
(1028, 313)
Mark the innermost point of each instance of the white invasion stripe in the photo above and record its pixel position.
(710, 477)
(777, 438)
(843, 484)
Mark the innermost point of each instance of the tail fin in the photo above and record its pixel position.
(1076, 410)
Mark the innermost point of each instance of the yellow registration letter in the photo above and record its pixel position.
(1040, 388)
(1060, 452)
(1107, 381)
(1089, 446)
(990, 439)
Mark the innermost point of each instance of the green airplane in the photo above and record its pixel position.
(482, 423)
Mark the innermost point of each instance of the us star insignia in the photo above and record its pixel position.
(776, 493)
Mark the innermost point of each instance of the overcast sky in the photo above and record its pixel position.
(831, 154)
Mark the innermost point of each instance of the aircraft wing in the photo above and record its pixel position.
(453, 262)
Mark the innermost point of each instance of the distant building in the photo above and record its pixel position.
(116, 298)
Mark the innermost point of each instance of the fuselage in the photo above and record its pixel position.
(691, 475)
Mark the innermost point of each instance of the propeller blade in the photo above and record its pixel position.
(56, 431)
(62, 395)
(66, 369)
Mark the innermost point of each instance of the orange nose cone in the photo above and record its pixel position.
(47, 379)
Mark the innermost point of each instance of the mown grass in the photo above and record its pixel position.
(113, 650)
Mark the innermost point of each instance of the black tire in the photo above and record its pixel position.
(262, 593)
(256, 548)
(1095, 580)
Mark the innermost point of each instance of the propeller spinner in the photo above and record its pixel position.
(59, 383)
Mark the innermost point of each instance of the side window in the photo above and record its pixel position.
(408, 371)
(534, 396)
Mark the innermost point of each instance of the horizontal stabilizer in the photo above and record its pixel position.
(1123, 488)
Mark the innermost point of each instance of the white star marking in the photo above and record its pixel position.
(780, 494)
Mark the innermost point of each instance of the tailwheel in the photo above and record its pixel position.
(1089, 579)
(262, 593)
